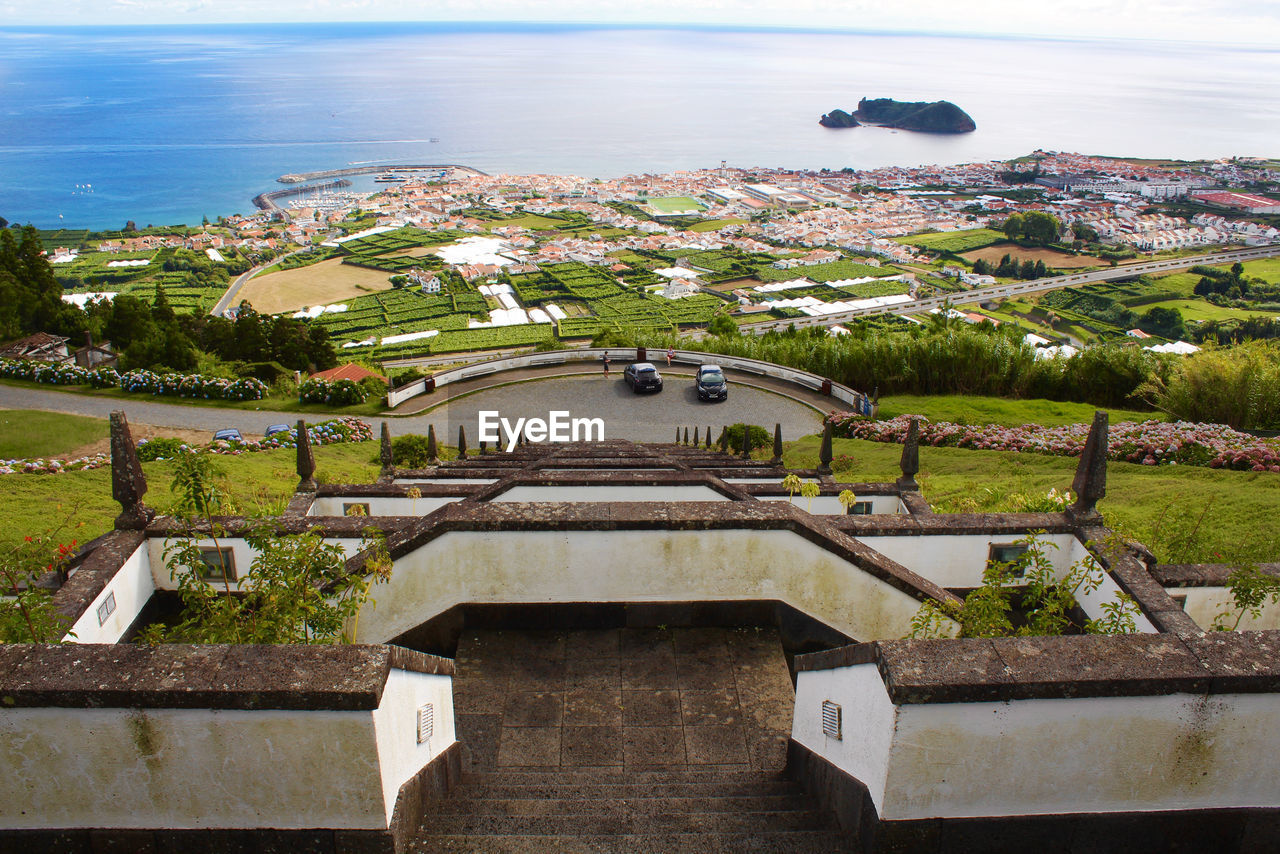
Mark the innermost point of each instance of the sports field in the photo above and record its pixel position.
(675, 205)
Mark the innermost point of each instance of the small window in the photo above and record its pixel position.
(859, 508)
(216, 563)
(1011, 553)
(355, 508)
(107, 608)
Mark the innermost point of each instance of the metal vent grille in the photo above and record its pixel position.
(831, 720)
(426, 722)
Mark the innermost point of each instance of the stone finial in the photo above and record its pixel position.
(386, 454)
(777, 444)
(824, 454)
(697, 440)
(462, 442)
(306, 461)
(128, 483)
(708, 437)
(1090, 483)
(484, 447)
(433, 451)
(746, 441)
(910, 462)
(686, 435)
(724, 440)
(677, 435)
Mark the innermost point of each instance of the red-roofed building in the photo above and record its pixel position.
(1246, 202)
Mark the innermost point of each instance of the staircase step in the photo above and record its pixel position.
(620, 821)
(553, 788)
(795, 842)
(612, 777)
(468, 803)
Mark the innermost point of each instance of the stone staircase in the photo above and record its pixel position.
(625, 740)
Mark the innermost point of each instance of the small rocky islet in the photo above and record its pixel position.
(919, 116)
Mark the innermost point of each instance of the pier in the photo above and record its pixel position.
(267, 201)
(301, 177)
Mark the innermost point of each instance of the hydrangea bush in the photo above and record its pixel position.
(138, 382)
(1146, 443)
(333, 393)
(330, 432)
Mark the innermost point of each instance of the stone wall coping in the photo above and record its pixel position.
(1201, 574)
(95, 571)
(234, 527)
(212, 676)
(935, 524)
(998, 669)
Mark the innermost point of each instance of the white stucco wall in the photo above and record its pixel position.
(410, 481)
(1100, 754)
(243, 557)
(958, 560)
(395, 724)
(868, 722)
(382, 505)
(188, 768)
(829, 505)
(1204, 604)
(1091, 601)
(609, 492)
(131, 587)
(635, 566)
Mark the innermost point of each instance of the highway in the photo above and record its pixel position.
(1110, 274)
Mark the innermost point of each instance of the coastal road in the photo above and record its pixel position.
(1108, 274)
(641, 418)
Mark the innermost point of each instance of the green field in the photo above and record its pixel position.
(28, 433)
(674, 204)
(954, 241)
(973, 409)
(715, 224)
(834, 271)
(1199, 309)
(1157, 505)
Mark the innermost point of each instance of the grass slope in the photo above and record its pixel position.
(974, 409)
(28, 433)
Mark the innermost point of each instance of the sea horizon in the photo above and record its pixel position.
(170, 123)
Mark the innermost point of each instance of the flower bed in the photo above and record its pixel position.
(330, 432)
(141, 381)
(1146, 443)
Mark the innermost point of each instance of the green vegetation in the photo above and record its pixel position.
(674, 205)
(1239, 386)
(30, 433)
(1034, 228)
(833, 271)
(1183, 513)
(973, 409)
(954, 242)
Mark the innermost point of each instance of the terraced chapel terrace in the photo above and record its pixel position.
(622, 647)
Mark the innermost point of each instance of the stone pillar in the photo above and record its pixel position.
(724, 440)
(677, 435)
(462, 442)
(128, 483)
(708, 437)
(910, 462)
(696, 440)
(433, 451)
(746, 441)
(824, 455)
(306, 461)
(385, 453)
(686, 435)
(1090, 483)
(777, 444)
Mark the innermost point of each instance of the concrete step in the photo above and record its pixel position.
(553, 788)
(795, 842)
(612, 777)
(620, 821)
(469, 804)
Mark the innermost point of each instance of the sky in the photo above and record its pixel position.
(1251, 22)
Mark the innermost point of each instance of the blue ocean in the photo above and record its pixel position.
(168, 125)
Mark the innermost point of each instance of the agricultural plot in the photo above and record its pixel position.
(318, 284)
(833, 271)
(954, 241)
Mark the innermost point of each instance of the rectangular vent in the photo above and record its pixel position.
(831, 720)
(107, 608)
(426, 722)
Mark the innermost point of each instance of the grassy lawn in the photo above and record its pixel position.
(715, 224)
(1197, 309)
(674, 204)
(1161, 506)
(972, 409)
(954, 241)
(317, 284)
(28, 433)
(1183, 283)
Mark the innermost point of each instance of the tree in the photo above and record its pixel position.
(982, 267)
(130, 226)
(1251, 590)
(1164, 322)
(722, 325)
(1027, 270)
(1008, 268)
(1014, 226)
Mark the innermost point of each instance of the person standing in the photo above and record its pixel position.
(604, 360)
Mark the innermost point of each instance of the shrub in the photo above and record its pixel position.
(760, 437)
(339, 393)
(161, 449)
(410, 451)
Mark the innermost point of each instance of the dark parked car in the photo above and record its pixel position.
(277, 428)
(231, 434)
(642, 376)
(711, 383)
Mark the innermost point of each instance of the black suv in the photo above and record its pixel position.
(642, 376)
(711, 383)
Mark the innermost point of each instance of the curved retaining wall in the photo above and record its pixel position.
(855, 400)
